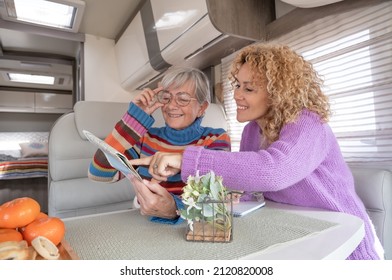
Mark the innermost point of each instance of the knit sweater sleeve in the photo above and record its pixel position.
(300, 149)
(124, 137)
(218, 139)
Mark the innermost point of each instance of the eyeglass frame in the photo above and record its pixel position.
(159, 94)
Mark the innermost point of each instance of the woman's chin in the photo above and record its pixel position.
(176, 125)
(242, 119)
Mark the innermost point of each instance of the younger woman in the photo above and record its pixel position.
(288, 151)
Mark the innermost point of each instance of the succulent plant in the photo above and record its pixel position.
(206, 199)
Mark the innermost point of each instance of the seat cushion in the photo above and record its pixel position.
(374, 187)
(83, 196)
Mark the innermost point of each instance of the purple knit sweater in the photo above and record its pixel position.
(304, 167)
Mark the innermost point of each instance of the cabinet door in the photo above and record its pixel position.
(132, 56)
(15, 101)
(52, 103)
(173, 18)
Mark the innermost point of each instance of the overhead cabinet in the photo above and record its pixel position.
(186, 33)
(34, 102)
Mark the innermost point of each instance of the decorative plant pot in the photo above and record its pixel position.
(203, 231)
(208, 209)
(217, 227)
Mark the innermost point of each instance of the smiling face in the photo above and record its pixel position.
(178, 117)
(251, 96)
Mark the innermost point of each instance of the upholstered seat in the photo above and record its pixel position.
(71, 193)
(374, 187)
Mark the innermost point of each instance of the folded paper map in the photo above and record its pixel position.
(116, 159)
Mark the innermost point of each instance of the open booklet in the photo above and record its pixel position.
(116, 159)
(242, 208)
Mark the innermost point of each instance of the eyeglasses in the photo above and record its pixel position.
(182, 98)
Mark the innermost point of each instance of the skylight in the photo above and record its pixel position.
(34, 79)
(44, 12)
(58, 14)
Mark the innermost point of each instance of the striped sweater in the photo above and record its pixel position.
(135, 137)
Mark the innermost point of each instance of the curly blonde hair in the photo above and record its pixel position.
(292, 85)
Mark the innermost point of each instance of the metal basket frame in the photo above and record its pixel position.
(209, 231)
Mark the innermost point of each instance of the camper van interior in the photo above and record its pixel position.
(83, 71)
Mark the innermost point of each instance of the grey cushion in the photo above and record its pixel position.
(76, 197)
(71, 193)
(374, 187)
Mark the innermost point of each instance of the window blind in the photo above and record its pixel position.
(352, 51)
(234, 127)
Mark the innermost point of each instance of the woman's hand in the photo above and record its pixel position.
(147, 100)
(161, 165)
(154, 200)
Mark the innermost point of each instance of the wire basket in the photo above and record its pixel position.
(217, 226)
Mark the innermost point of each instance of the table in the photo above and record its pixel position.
(274, 232)
(333, 244)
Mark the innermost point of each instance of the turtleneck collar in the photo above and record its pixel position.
(186, 135)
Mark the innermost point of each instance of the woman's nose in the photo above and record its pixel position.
(238, 93)
(172, 102)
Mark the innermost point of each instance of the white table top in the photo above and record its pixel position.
(334, 242)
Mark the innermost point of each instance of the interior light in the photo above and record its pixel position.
(28, 78)
(59, 14)
(45, 13)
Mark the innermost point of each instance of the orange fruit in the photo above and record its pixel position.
(40, 215)
(18, 212)
(52, 228)
(8, 234)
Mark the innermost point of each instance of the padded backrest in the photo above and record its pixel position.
(98, 117)
(71, 193)
(214, 117)
(68, 148)
(374, 187)
(70, 151)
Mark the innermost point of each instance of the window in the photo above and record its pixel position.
(353, 53)
(58, 14)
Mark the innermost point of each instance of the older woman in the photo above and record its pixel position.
(183, 96)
